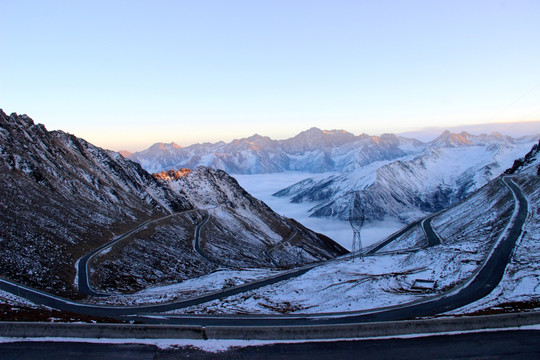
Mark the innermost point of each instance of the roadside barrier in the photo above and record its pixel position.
(375, 329)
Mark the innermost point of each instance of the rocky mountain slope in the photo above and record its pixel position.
(61, 197)
(247, 224)
(239, 230)
(446, 171)
(529, 164)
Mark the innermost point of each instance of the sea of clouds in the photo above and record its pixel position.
(262, 186)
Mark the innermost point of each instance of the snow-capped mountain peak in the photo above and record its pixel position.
(313, 150)
(165, 147)
(443, 173)
(449, 139)
(317, 139)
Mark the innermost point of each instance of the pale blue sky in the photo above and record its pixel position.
(126, 74)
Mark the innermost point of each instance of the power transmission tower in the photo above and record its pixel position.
(356, 219)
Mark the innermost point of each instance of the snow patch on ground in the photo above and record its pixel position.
(76, 279)
(218, 280)
(347, 285)
(10, 299)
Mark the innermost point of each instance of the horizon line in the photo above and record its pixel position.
(407, 133)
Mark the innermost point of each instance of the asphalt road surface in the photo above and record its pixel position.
(267, 251)
(432, 237)
(514, 344)
(197, 241)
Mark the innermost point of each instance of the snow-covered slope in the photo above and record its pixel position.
(446, 171)
(468, 232)
(313, 151)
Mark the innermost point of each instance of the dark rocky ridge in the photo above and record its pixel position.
(61, 197)
(528, 159)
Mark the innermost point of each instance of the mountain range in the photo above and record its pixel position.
(393, 175)
(444, 172)
(313, 150)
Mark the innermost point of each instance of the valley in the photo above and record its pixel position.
(199, 249)
(264, 186)
(492, 266)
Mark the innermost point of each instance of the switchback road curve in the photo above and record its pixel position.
(82, 264)
(281, 243)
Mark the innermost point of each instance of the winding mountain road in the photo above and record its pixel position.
(197, 241)
(481, 284)
(272, 248)
(82, 263)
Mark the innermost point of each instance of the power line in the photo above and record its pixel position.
(356, 219)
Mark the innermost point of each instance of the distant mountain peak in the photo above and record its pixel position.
(255, 142)
(449, 139)
(164, 146)
(125, 153)
(256, 137)
(317, 139)
(315, 131)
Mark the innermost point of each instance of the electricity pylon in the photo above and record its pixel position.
(356, 219)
